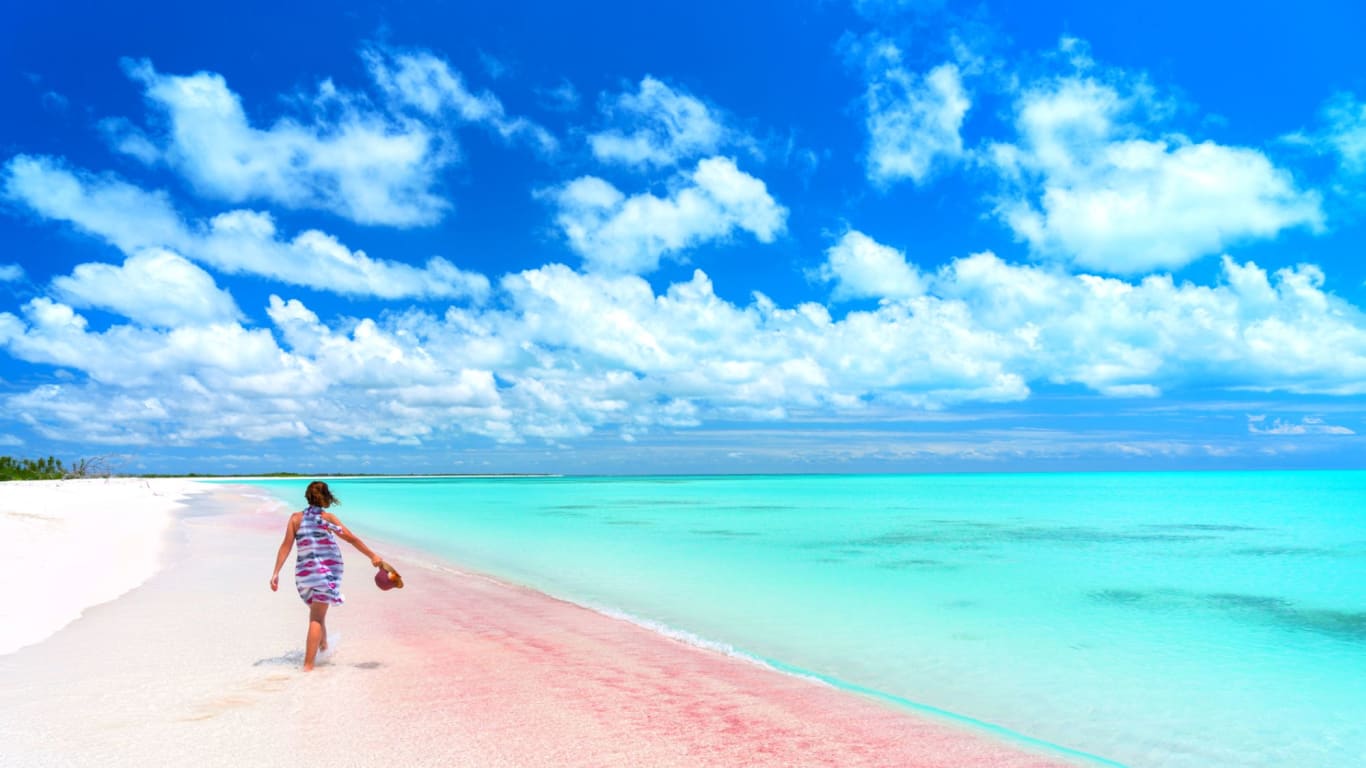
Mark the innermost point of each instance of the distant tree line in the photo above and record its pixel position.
(50, 468)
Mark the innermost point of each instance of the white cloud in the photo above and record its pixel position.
(363, 165)
(914, 122)
(427, 83)
(125, 138)
(563, 354)
(1086, 186)
(752, 361)
(130, 356)
(380, 360)
(1347, 131)
(153, 287)
(95, 416)
(616, 233)
(187, 384)
(10, 273)
(658, 126)
(247, 241)
(126, 216)
(571, 354)
(860, 267)
(1343, 133)
(337, 152)
(238, 241)
(1127, 339)
(1308, 425)
(982, 331)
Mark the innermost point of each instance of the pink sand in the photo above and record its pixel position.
(456, 669)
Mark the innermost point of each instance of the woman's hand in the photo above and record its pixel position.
(376, 561)
(275, 583)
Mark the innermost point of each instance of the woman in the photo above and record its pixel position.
(318, 569)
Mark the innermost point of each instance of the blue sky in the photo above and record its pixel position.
(715, 237)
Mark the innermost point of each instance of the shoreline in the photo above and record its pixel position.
(456, 669)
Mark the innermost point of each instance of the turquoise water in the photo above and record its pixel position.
(1178, 619)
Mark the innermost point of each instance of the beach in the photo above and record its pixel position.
(200, 661)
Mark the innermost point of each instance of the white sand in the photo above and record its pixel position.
(73, 544)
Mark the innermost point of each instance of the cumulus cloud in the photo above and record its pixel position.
(689, 344)
(152, 287)
(914, 121)
(186, 384)
(616, 233)
(338, 151)
(127, 356)
(429, 84)
(126, 216)
(565, 354)
(658, 126)
(982, 329)
(1253, 330)
(1087, 184)
(248, 242)
(240, 241)
(359, 163)
(10, 273)
(862, 268)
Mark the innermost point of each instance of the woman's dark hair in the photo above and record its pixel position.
(319, 495)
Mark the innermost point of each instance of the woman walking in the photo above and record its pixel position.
(318, 568)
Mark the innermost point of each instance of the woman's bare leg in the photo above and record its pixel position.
(317, 632)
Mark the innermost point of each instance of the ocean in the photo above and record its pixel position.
(1191, 620)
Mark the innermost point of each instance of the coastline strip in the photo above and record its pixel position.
(453, 670)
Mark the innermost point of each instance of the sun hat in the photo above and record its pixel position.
(386, 578)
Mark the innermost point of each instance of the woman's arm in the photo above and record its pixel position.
(352, 539)
(291, 528)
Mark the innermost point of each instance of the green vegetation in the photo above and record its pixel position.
(50, 468)
(31, 469)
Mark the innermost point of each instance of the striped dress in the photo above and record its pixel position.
(318, 569)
